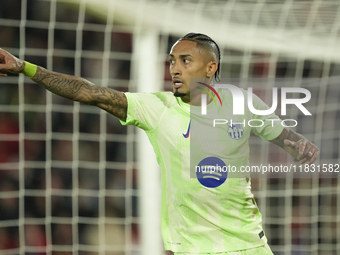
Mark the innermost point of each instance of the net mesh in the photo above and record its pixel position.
(68, 171)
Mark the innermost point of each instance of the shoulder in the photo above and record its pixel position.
(165, 96)
(232, 94)
(160, 98)
(231, 90)
(236, 93)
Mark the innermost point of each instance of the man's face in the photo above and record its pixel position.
(186, 61)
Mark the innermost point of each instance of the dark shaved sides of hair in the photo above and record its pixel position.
(207, 43)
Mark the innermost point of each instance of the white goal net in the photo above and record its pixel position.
(72, 179)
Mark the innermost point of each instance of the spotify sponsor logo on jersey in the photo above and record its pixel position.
(211, 172)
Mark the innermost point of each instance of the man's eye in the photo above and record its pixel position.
(171, 61)
(186, 61)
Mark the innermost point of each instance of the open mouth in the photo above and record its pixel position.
(177, 84)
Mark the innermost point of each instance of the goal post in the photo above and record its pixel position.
(148, 79)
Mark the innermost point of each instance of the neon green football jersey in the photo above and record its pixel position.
(195, 218)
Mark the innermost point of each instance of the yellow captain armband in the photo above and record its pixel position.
(30, 69)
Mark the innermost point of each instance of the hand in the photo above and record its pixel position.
(307, 152)
(10, 64)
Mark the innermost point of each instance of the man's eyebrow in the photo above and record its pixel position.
(181, 56)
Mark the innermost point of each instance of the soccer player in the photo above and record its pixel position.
(195, 219)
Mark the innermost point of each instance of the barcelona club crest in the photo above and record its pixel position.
(235, 131)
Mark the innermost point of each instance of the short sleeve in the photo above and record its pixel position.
(144, 109)
(271, 127)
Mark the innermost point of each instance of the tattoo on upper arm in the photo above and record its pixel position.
(112, 101)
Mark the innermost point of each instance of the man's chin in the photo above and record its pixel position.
(179, 94)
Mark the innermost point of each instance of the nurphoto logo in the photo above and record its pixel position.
(238, 99)
(238, 105)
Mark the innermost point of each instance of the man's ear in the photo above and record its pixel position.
(211, 68)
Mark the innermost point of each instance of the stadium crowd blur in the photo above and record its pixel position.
(62, 179)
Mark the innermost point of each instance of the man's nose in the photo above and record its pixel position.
(175, 69)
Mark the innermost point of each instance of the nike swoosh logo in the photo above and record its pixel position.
(188, 132)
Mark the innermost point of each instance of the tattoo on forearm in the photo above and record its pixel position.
(56, 83)
(78, 89)
(289, 134)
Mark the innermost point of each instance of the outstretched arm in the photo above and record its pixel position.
(72, 87)
(297, 146)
